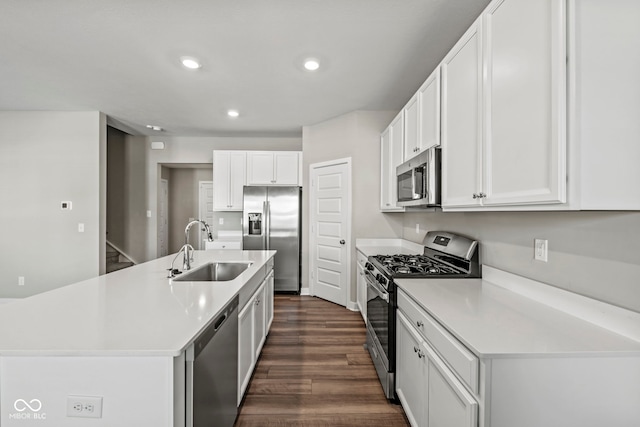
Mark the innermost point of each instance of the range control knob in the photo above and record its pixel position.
(383, 281)
(369, 266)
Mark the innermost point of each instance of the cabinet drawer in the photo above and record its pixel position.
(457, 356)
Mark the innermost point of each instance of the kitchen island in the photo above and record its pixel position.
(120, 336)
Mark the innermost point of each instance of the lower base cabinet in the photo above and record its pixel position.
(429, 392)
(254, 322)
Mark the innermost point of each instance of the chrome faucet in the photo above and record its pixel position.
(172, 271)
(188, 258)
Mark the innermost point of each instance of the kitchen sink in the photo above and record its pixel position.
(214, 272)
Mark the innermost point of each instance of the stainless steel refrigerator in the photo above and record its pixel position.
(271, 219)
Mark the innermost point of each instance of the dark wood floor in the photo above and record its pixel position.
(314, 371)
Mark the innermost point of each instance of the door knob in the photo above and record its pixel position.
(342, 242)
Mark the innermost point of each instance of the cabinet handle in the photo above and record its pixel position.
(415, 349)
(420, 354)
(475, 196)
(419, 323)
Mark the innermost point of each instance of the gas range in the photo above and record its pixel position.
(446, 255)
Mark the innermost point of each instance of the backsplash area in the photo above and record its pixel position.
(596, 254)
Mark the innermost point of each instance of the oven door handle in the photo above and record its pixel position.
(376, 288)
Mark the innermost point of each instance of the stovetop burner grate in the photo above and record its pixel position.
(414, 266)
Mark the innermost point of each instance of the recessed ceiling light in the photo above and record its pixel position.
(233, 113)
(191, 63)
(154, 127)
(311, 64)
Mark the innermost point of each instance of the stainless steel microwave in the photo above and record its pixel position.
(418, 180)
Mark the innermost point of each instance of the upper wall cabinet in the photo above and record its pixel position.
(462, 121)
(229, 178)
(525, 114)
(422, 117)
(391, 154)
(520, 158)
(274, 168)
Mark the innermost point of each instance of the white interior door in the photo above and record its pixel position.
(330, 223)
(205, 210)
(163, 218)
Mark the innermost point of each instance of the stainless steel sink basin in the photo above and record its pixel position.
(214, 272)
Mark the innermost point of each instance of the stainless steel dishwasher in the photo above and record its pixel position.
(212, 372)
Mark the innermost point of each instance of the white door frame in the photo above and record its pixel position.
(164, 213)
(312, 216)
(202, 208)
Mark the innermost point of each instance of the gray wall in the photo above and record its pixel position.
(46, 158)
(116, 186)
(596, 254)
(144, 172)
(184, 200)
(355, 135)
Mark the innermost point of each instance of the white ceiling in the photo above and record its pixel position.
(121, 57)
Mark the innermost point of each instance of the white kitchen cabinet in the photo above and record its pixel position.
(520, 158)
(422, 117)
(524, 101)
(273, 168)
(411, 113)
(391, 155)
(246, 355)
(229, 178)
(449, 403)
(254, 321)
(361, 285)
(411, 372)
(429, 390)
(259, 319)
(462, 121)
(269, 292)
(429, 116)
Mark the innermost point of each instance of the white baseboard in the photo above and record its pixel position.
(352, 306)
(304, 291)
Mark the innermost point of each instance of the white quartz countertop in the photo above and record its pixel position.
(495, 322)
(370, 247)
(137, 311)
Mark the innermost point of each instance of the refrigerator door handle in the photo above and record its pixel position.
(267, 220)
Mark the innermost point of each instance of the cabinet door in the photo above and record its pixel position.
(269, 295)
(429, 105)
(237, 179)
(361, 290)
(462, 121)
(411, 372)
(246, 353)
(259, 319)
(525, 97)
(449, 403)
(391, 152)
(228, 179)
(221, 168)
(286, 165)
(260, 168)
(411, 115)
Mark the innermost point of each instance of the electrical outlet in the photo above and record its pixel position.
(84, 406)
(221, 221)
(540, 249)
(80, 227)
(20, 280)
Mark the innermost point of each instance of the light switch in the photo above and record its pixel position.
(80, 227)
(148, 214)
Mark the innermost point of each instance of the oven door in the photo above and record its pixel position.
(378, 308)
